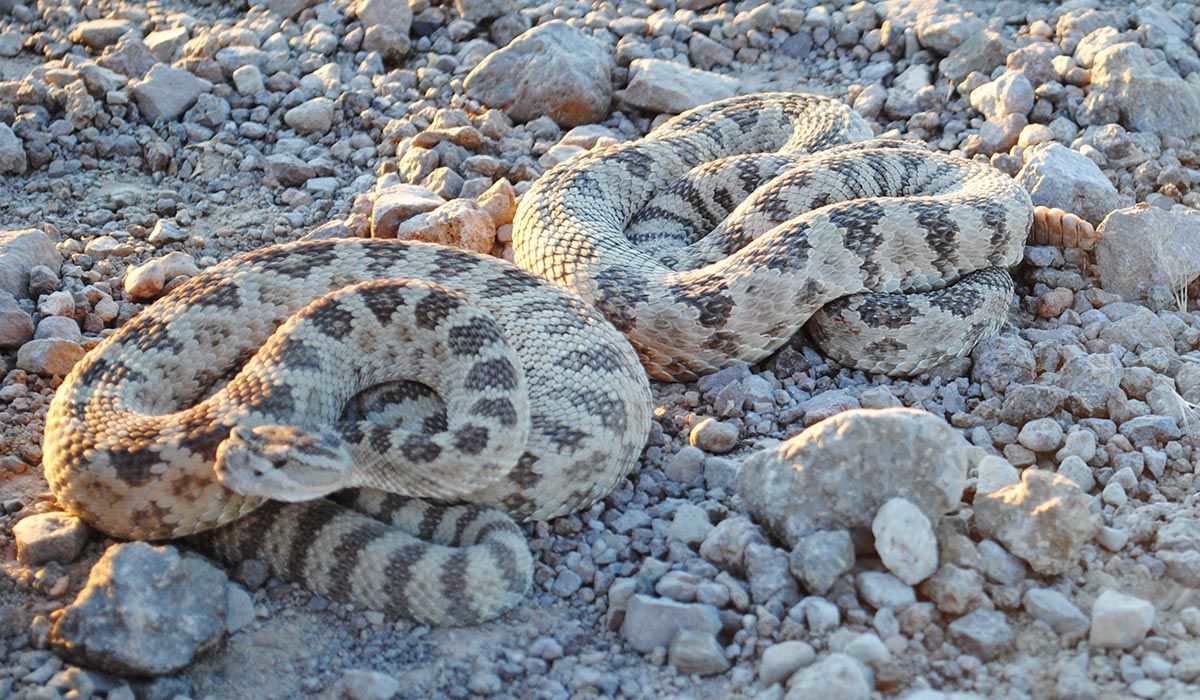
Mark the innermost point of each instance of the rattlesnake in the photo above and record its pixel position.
(722, 232)
(896, 263)
(304, 368)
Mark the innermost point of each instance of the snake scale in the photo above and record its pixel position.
(434, 395)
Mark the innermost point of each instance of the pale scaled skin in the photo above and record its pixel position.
(720, 234)
(298, 369)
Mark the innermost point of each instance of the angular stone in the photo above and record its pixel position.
(12, 152)
(699, 653)
(823, 479)
(1057, 176)
(314, 116)
(20, 251)
(1045, 520)
(397, 203)
(47, 537)
(1151, 97)
(459, 223)
(1056, 610)
(665, 87)
(1120, 621)
(96, 34)
(553, 69)
(834, 676)
(16, 325)
(167, 92)
(653, 622)
(1144, 247)
(145, 611)
(983, 633)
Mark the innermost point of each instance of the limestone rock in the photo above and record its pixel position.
(167, 92)
(145, 610)
(1057, 176)
(1045, 520)
(824, 478)
(20, 251)
(1144, 248)
(553, 69)
(665, 87)
(1151, 97)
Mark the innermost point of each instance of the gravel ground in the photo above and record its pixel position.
(1037, 539)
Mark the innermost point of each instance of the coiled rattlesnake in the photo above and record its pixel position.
(251, 366)
(894, 256)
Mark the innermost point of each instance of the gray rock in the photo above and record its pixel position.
(982, 633)
(823, 479)
(834, 676)
(1143, 248)
(780, 661)
(20, 251)
(981, 52)
(289, 170)
(699, 653)
(459, 223)
(395, 15)
(12, 152)
(821, 558)
(726, 543)
(768, 575)
(16, 325)
(167, 231)
(357, 684)
(47, 537)
(314, 116)
(1056, 610)
(553, 69)
(396, 203)
(1003, 360)
(665, 87)
(1089, 381)
(882, 590)
(653, 622)
(905, 541)
(479, 10)
(1151, 97)
(52, 357)
(1135, 327)
(1120, 621)
(690, 524)
(167, 92)
(686, 464)
(1057, 176)
(714, 436)
(1046, 520)
(1011, 93)
(99, 33)
(720, 473)
(145, 611)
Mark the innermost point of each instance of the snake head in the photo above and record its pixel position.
(283, 462)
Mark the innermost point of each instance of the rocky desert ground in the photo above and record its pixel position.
(1031, 532)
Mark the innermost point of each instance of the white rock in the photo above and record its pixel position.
(666, 87)
(905, 541)
(312, 117)
(12, 152)
(653, 622)
(1045, 520)
(553, 69)
(1011, 93)
(780, 661)
(1058, 177)
(1144, 248)
(838, 676)
(1151, 97)
(20, 251)
(823, 479)
(1056, 610)
(166, 92)
(248, 80)
(1120, 621)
